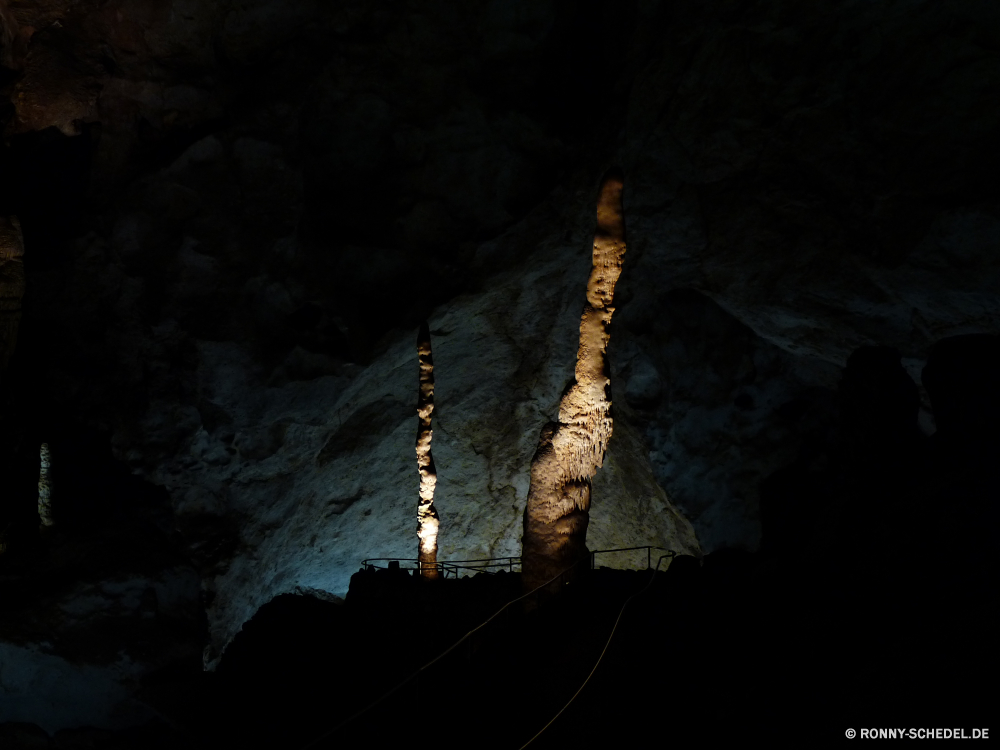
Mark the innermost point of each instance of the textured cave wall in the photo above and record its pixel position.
(844, 193)
(275, 194)
(11, 287)
(824, 175)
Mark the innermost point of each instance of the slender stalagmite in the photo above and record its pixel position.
(572, 449)
(427, 517)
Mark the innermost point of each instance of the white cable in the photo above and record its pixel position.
(437, 658)
(539, 733)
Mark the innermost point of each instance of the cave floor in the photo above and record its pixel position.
(736, 648)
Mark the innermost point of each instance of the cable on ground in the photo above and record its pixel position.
(597, 664)
(429, 664)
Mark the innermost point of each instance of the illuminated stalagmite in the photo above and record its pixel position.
(11, 286)
(572, 449)
(427, 517)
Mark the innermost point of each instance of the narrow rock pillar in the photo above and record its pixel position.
(571, 449)
(427, 517)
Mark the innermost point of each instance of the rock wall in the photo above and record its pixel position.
(322, 475)
(11, 286)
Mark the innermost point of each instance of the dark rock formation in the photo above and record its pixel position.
(104, 599)
(11, 286)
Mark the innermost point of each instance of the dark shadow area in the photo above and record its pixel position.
(46, 178)
(111, 578)
(877, 542)
(301, 665)
(90, 489)
(383, 236)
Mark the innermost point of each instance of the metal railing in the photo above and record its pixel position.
(487, 565)
(649, 554)
(492, 565)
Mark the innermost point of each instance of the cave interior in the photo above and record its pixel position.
(222, 223)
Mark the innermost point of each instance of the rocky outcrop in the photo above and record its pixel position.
(317, 479)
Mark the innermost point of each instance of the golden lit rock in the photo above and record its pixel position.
(571, 450)
(427, 517)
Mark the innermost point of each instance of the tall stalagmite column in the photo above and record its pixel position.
(427, 517)
(11, 286)
(572, 449)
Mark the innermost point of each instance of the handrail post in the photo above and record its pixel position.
(649, 563)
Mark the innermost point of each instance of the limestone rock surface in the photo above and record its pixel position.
(317, 475)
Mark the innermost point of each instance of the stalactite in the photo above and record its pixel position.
(427, 517)
(45, 488)
(572, 449)
(11, 286)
